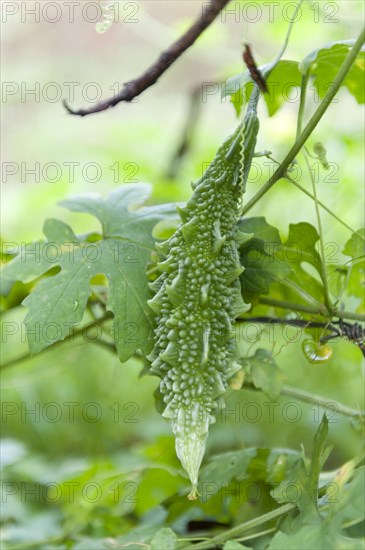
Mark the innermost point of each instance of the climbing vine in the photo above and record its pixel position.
(179, 285)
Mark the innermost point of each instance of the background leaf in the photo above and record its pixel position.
(164, 539)
(355, 248)
(280, 82)
(234, 545)
(265, 373)
(258, 256)
(58, 302)
(324, 63)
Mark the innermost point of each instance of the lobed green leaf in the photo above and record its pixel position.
(324, 63)
(121, 254)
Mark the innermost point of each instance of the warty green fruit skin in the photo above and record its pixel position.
(198, 297)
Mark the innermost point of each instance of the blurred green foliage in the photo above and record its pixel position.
(86, 458)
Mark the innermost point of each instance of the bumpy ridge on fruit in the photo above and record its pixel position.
(198, 297)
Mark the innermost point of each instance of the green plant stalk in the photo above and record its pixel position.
(256, 535)
(267, 70)
(295, 307)
(305, 134)
(324, 402)
(74, 334)
(239, 530)
(302, 293)
(321, 204)
(327, 299)
(313, 398)
(303, 96)
(235, 533)
(309, 309)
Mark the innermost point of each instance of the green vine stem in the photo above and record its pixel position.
(286, 40)
(267, 301)
(73, 335)
(303, 294)
(321, 204)
(327, 299)
(309, 309)
(239, 530)
(267, 154)
(305, 134)
(303, 96)
(236, 533)
(326, 403)
(257, 535)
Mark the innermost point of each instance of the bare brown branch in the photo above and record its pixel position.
(135, 87)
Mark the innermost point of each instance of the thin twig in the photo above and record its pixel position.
(72, 335)
(135, 87)
(327, 298)
(321, 204)
(326, 402)
(303, 95)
